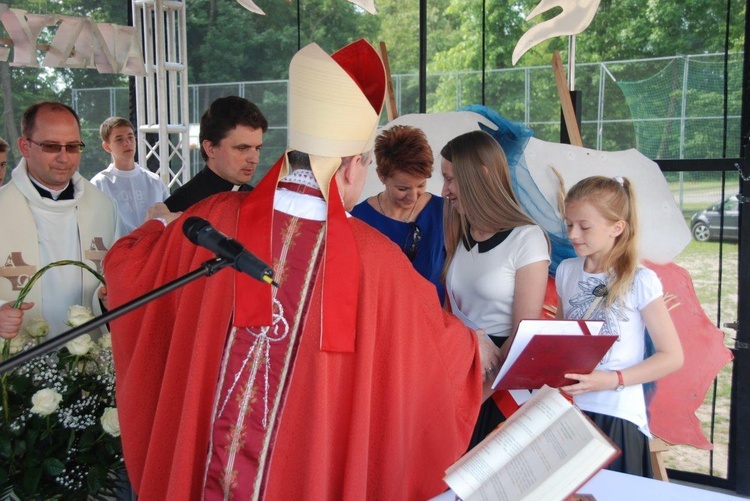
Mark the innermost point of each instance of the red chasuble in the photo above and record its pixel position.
(383, 422)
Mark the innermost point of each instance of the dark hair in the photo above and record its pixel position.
(226, 113)
(28, 119)
(105, 129)
(299, 160)
(3, 148)
(403, 148)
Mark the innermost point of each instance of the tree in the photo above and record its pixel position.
(621, 29)
(240, 46)
(22, 87)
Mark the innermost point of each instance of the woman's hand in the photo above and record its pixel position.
(596, 381)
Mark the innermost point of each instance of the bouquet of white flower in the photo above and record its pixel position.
(59, 432)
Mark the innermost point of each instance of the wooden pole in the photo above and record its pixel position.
(390, 96)
(565, 102)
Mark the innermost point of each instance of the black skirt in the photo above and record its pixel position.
(636, 456)
(489, 415)
(489, 419)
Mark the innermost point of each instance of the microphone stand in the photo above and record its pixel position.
(207, 268)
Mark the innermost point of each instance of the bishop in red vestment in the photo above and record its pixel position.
(348, 381)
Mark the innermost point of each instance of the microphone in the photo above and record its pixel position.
(201, 233)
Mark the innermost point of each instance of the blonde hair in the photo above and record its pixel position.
(485, 190)
(614, 200)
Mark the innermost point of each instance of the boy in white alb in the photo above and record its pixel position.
(133, 188)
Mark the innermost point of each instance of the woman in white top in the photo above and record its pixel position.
(497, 257)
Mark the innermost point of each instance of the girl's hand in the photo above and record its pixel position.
(596, 381)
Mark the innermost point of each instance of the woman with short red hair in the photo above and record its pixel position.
(404, 211)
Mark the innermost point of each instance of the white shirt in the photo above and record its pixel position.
(575, 290)
(57, 230)
(134, 191)
(481, 285)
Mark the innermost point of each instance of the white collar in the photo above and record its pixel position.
(20, 177)
(55, 194)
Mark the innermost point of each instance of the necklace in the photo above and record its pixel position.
(386, 215)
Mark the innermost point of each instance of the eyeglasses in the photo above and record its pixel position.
(410, 246)
(71, 148)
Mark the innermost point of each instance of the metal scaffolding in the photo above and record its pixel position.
(162, 95)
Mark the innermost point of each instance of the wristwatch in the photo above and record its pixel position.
(620, 382)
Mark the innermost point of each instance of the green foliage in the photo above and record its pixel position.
(234, 44)
(29, 85)
(63, 451)
(59, 421)
(621, 30)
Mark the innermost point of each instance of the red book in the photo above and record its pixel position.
(544, 350)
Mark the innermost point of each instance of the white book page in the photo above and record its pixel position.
(528, 328)
(584, 464)
(500, 447)
(563, 457)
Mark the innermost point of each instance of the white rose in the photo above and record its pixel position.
(16, 344)
(106, 341)
(37, 327)
(45, 402)
(80, 345)
(78, 315)
(110, 421)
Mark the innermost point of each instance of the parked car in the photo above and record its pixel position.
(706, 224)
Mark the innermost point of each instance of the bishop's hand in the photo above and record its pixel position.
(490, 356)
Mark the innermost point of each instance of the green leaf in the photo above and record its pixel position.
(88, 457)
(88, 439)
(21, 384)
(53, 466)
(32, 434)
(20, 448)
(97, 478)
(5, 445)
(31, 479)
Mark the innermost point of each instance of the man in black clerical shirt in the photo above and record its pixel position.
(231, 136)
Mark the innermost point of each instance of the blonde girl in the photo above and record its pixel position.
(606, 282)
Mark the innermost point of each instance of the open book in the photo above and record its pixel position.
(546, 450)
(544, 350)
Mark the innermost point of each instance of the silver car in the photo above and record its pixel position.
(706, 224)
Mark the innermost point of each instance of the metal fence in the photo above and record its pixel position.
(610, 119)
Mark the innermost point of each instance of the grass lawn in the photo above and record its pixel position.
(702, 260)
